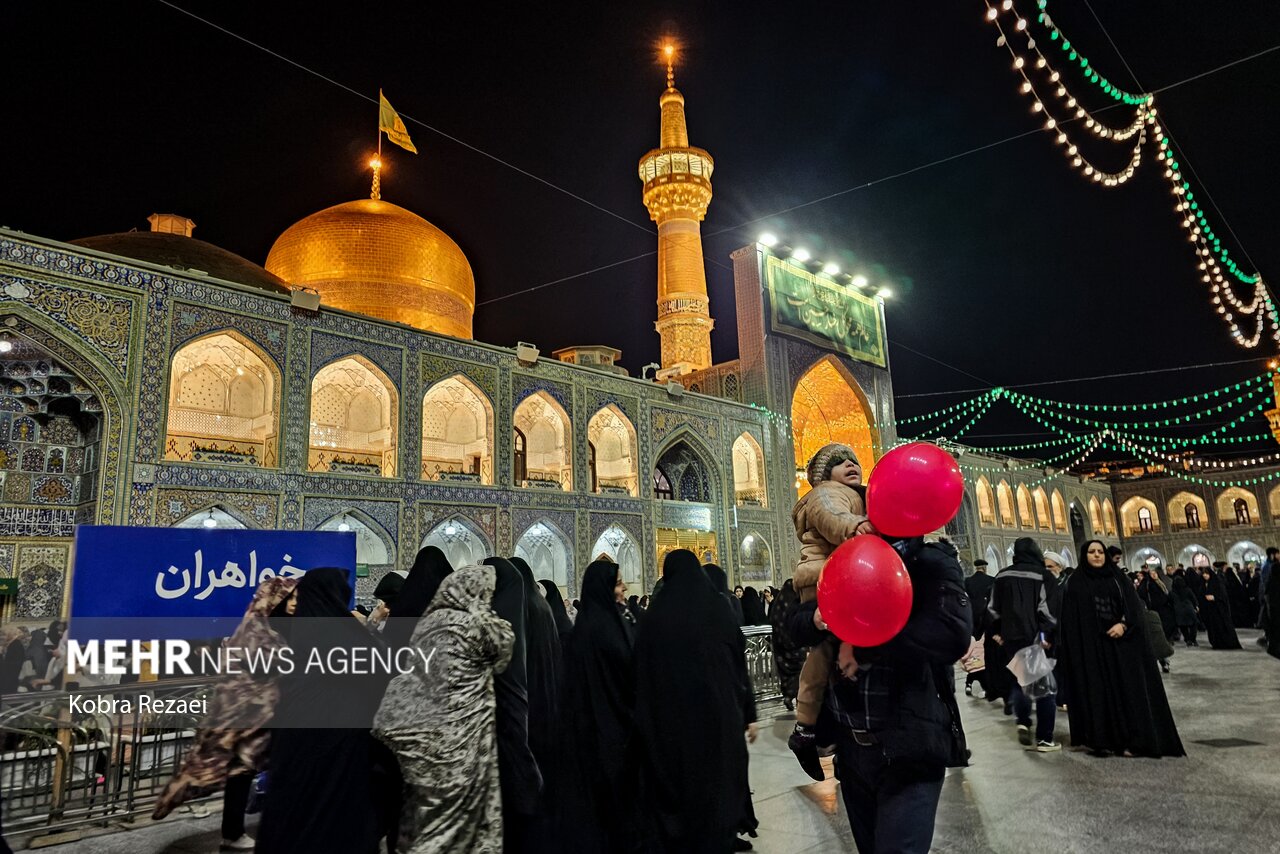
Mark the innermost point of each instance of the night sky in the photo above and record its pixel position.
(1005, 264)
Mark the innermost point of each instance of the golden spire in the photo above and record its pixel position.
(669, 51)
(376, 164)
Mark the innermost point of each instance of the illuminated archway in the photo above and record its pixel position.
(1004, 498)
(986, 502)
(354, 409)
(1238, 507)
(611, 440)
(210, 517)
(543, 444)
(1095, 517)
(1025, 517)
(1139, 516)
(547, 551)
(829, 406)
(748, 472)
(1188, 512)
(457, 432)
(1195, 555)
(224, 402)
(1043, 518)
(1109, 516)
(462, 543)
(620, 547)
(1059, 512)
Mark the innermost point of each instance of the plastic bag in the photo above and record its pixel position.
(1030, 664)
(1042, 687)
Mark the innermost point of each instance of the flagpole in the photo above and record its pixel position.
(376, 193)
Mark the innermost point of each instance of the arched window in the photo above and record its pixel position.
(1192, 513)
(354, 411)
(1109, 516)
(687, 475)
(748, 472)
(521, 458)
(547, 443)
(986, 502)
(755, 559)
(1043, 518)
(1059, 512)
(1139, 515)
(1237, 507)
(1025, 517)
(224, 403)
(591, 464)
(1004, 498)
(457, 432)
(1095, 517)
(613, 453)
(662, 486)
(1187, 511)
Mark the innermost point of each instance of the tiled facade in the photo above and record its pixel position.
(115, 325)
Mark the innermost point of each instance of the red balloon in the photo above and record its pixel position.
(864, 592)
(914, 489)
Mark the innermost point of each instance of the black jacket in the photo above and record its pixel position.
(979, 587)
(926, 729)
(1019, 609)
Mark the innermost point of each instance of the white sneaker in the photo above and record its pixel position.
(244, 843)
(1048, 747)
(1024, 735)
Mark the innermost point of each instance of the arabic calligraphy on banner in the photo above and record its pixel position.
(824, 313)
(128, 573)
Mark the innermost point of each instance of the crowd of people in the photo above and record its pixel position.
(1106, 630)
(533, 722)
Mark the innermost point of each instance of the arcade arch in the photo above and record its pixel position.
(457, 432)
(828, 406)
(354, 413)
(543, 444)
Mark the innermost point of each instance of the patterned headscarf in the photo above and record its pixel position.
(827, 458)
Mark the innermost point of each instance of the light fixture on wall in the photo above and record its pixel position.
(450, 530)
(344, 526)
(6, 345)
(209, 521)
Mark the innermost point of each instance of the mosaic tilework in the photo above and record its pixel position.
(663, 422)
(325, 348)
(193, 321)
(41, 572)
(252, 509)
(524, 385)
(103, 322)
(482, 519)
(384, 515)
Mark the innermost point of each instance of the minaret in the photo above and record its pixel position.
(677, 191)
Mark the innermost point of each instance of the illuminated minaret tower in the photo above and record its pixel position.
(677, 191)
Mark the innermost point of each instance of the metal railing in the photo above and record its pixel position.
(65, 765)
(762, 670)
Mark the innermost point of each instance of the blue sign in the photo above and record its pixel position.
(132, 582)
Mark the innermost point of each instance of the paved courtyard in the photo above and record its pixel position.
(1223, 797)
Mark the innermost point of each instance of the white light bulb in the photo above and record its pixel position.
(6, 346)
(831, 269)
(768, 239)
(344, 527)
(450, 530)
(860, 281)
(801, 255)
(992, 14)
(210, 522)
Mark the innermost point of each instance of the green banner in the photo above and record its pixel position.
(8, 587)
(823, 312)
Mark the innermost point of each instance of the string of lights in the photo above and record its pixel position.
(1123, 445)
(1175, 421)
(1211, 256)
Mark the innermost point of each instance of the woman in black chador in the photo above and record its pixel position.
(689, 714)
(1216, 610)
(594, 796)
(1118, 704)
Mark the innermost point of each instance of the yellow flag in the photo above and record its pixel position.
(389, 120)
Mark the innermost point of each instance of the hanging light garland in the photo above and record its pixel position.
(1122, 445)
(1212, 257)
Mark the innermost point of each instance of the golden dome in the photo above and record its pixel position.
(376, 258)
